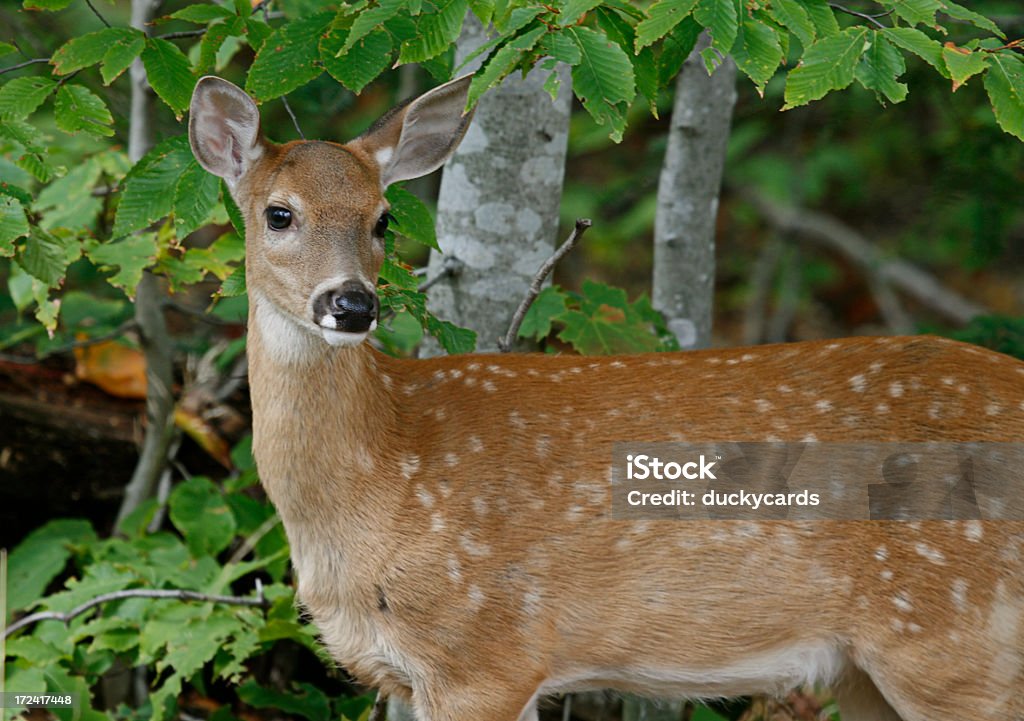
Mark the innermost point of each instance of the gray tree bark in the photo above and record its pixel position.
(688, 191)
(149, 305)
(497, 210)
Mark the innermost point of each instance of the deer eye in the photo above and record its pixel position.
(278, 218)
(382, 224)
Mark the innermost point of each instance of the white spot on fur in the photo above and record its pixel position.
(858, 383)
(809, 438)
(993, 409)
(958, 592)
(408, 466)
(515, 420)
(973, 531)
(437, 522)
(425, 497)
(475, 444)
(881, 553)
(543, 445)
(886, 575)
(480, 505)
(451, 460)
(454, 569)
(762, 405)
(932, 554)
(902, 602)
(476, 597)
(896, 389)
(617, 364)
(489, 386)
(882, 408)
(474, 548)
(785, 389)
(823, 406)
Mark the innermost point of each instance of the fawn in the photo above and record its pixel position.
(449, 518)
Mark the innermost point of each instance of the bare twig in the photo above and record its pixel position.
(451, 266)
(380, 707)
(3, 615)
(250, 542)
(181, 34)
(836, 235)
(864, 16)
(97, 13)
(125, 327)
(506, 344)
(177, 594)
(19, 66)
(197, 313)
(295, 121)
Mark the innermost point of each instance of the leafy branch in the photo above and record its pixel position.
(175, 594)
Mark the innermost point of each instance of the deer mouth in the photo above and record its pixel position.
(337, 335)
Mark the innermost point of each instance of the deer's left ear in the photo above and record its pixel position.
(417, 138)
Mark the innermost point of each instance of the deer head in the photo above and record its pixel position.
(315, 211)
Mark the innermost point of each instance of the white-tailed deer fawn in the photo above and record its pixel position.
(450, 522)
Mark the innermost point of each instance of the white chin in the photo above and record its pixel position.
(342, 339)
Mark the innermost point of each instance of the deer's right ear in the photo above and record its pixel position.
(224, 129)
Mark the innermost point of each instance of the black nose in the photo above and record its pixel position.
(353, 307)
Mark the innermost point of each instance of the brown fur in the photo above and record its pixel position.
(428, 504)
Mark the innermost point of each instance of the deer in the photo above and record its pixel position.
(449, 520)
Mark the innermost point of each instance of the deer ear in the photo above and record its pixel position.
(224, 129)
(417, 138)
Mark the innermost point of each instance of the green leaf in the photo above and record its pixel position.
(46, 4)
(310, 703)
(917, 42)
(676, 47)
(199, 511)
(501, 63)
(961, 13)
(89, 49)
(77, 108)
(368, 21)
(20, 97)
(362, 63)
(662, 17)
(549, 304)
(13, 224)
(822, 16)
(575, 9)
(68, 202)
(46, 256)
(234, 214)
(915, 11)
(120, 55)
(130, 256)
(169, 73)
(452, 338)
(827, 65)
(645, 64)
(212, 42)
(412, 218)
(721, 18)
(963, 64)
(792, 15)
(37, 560)
(603, 80)
(607, 323)
(146, 197)
(195, 195)
(559, 46)
(6, 48)
(289, 58)
(757, 52)
(202, 13)
(1005, 85)
(880, 68)
(234, 284)
(436, 31)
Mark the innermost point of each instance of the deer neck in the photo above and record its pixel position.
(320, 419)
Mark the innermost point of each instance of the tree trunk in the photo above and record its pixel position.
(149, 306)
(688, 190)
(497, 210)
